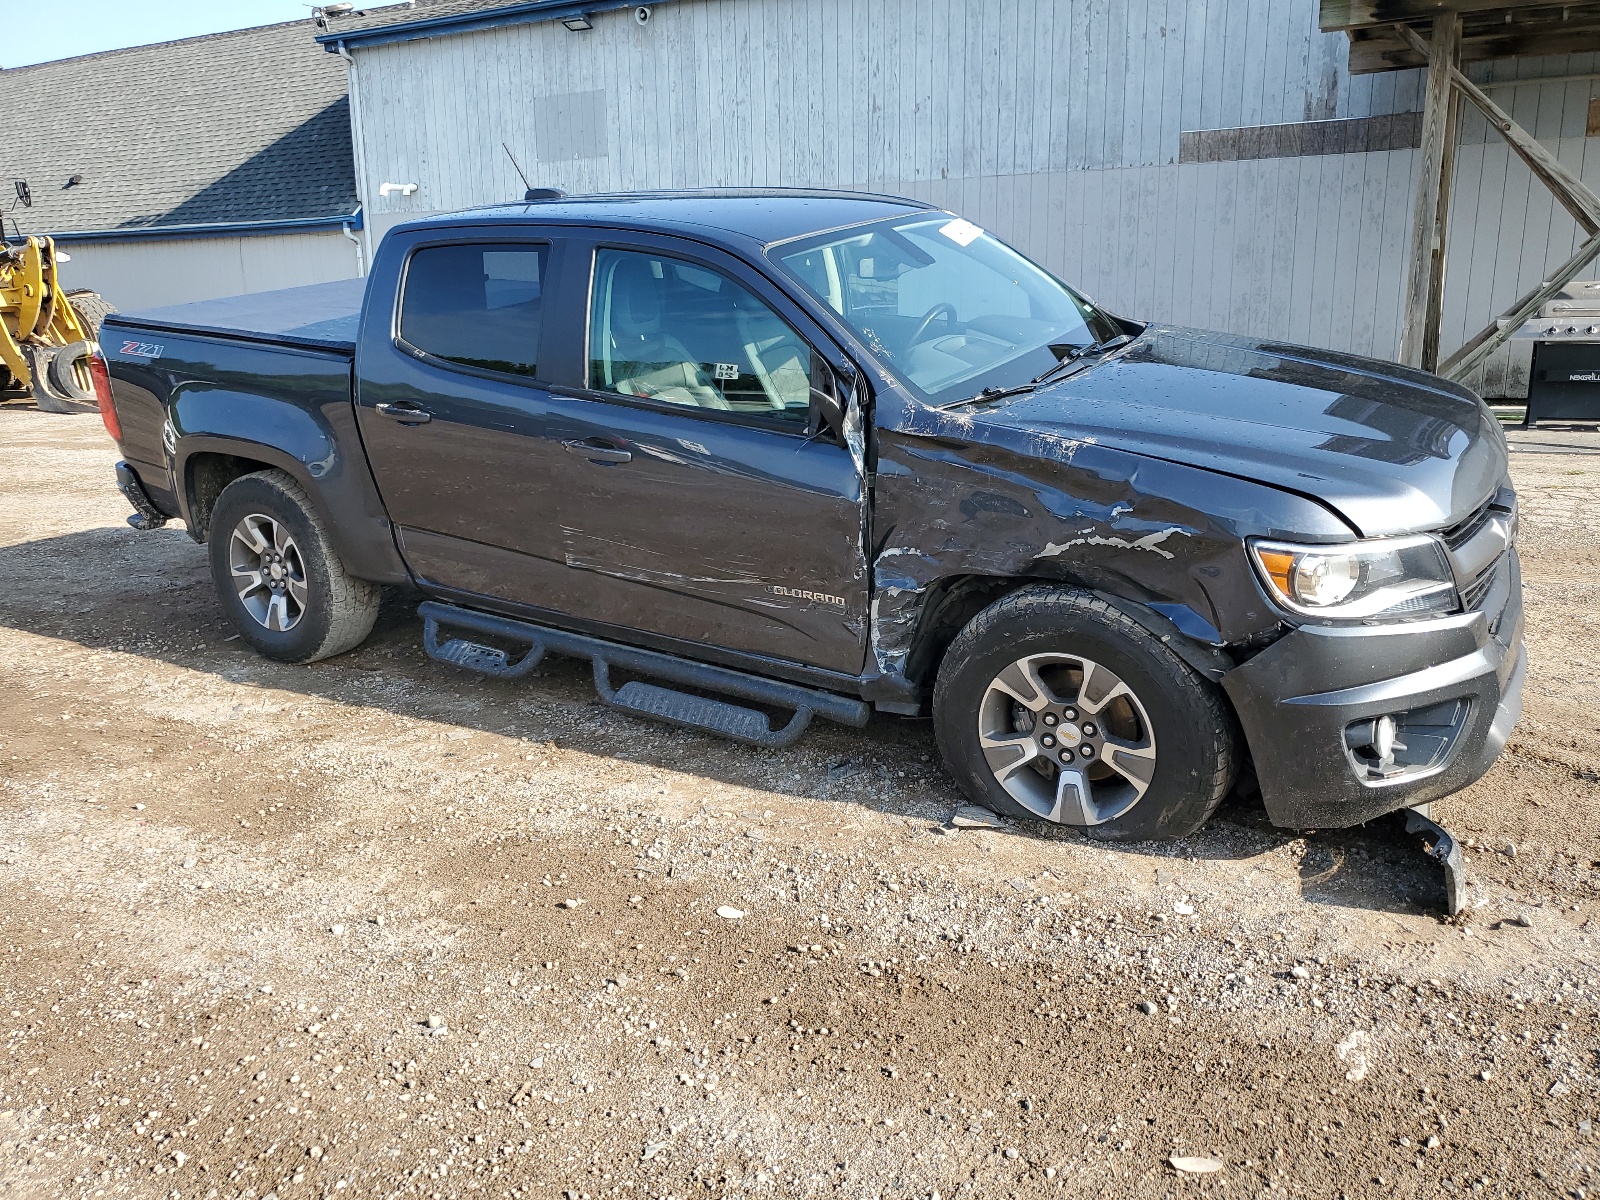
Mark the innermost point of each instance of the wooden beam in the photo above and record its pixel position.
(1441, 237)
(1335, 15)
(1419, 328)
(1501, 330)
(1371, 53)
(1573, 193)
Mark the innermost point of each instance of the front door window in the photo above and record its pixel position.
(672, 333)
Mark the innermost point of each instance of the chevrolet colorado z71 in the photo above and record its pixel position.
(825, 452)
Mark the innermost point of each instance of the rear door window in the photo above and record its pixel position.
(476, 305)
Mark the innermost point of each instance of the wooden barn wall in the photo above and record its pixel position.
(1056, 123)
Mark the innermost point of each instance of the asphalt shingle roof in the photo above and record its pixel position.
(248, 126)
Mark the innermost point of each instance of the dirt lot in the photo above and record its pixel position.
(376, 928)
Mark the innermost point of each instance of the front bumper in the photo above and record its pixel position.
(1297, 699)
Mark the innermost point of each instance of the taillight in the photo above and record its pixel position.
(102, 394)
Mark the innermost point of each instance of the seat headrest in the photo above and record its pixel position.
(636, 297)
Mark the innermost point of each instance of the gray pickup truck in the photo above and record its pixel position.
(775, 455)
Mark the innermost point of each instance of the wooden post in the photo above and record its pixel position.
(1419, 333)
(1441, 233)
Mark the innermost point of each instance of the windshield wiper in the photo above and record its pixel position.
(1071, 354)
(1066, 356)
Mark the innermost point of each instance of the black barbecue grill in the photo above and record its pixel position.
(1564, 373)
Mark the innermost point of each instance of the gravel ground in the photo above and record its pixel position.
(377, 928)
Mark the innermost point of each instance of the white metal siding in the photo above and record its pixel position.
(151, 274)
(1054, 122)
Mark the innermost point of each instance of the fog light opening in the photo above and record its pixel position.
(1404, 743)
(1373, 742)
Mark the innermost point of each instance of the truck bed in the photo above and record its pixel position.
(323, 316)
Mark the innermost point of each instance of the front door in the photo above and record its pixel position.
(692, 504)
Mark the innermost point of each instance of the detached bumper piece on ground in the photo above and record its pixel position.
(1446, 851)
(684, 709)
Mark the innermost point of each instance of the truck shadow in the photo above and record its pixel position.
(112, 589)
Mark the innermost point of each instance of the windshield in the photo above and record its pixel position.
(950, 308)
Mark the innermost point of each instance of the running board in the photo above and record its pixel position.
(639, 699)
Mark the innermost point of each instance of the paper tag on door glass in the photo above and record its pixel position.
(962, 233)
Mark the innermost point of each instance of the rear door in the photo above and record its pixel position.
(454, 413)
(691, 503)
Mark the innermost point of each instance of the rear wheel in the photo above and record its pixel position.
(1052, 704)
(278, 576)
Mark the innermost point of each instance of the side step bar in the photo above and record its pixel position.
(640, 699)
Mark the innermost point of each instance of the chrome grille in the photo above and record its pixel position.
(1472, 595)
(1462, 532)
(1479, 544)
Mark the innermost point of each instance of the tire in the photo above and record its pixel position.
(92, 308)
(55, 383)
(64, 376)
(313, 609)
(45, 363)
(1158, 741)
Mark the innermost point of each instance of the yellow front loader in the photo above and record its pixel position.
(47, 337)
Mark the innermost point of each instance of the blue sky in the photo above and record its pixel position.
(41, 30)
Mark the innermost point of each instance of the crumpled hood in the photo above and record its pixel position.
(1391, 449)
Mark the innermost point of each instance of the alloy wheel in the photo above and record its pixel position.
(269, 573)
(1067, 739)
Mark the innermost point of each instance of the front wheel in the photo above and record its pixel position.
(1052, 704)
(278, 576)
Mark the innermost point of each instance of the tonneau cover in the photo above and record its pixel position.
(323, 316)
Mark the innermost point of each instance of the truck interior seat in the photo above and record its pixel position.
(645, 360)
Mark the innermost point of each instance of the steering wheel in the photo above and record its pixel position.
(948, 311)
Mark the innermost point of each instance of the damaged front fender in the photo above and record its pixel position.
(961, 503)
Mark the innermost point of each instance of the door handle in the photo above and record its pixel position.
(403, 411)
(598, 454)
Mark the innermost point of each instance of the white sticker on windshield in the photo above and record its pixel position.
(962, 233)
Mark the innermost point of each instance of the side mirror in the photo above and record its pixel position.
(827, 413)
(827, 405)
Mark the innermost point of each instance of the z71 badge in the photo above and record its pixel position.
(142, 349)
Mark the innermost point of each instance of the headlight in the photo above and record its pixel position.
(1386, 577)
